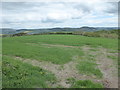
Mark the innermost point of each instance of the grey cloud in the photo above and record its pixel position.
(50, 20)
(85, 8)
(20, 6)
(76, 17)
(12, 5)
(119, 7)
(113, 9)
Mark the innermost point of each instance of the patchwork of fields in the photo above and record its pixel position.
(59, 61)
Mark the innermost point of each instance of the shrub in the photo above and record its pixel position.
(19, 34)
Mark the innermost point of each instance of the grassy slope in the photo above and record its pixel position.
(21, 75)
(0, 63)
(31, 47)
(74, 40)
(18, 46)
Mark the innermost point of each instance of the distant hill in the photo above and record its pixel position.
(7, 31)
(89, 29)
(45, 30)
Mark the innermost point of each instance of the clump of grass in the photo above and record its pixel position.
(93, 49)
(17, 74)
(83, 83)
(113, 51)
(86, 84)
(89, 68)
(112, 57)
(61, 67)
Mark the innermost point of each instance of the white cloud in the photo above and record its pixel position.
(51, 14)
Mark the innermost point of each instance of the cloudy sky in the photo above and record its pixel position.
(59, 14)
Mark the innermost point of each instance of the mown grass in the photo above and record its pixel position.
(17, 74)
(83, 83)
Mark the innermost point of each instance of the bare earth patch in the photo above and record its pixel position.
(52, 45)
(58, 45)
(106, 65)
(62, 72)
(108, 69)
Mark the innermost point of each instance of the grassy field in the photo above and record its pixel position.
(21, 75)
(35, 61)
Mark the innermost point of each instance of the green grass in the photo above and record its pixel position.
(73, 40)
(0, 71)
(83, 83)
(89, 68)
(118, 68)
(86, 84)
(113, 57)
(57, 55)
(17, 74)
(30, 46)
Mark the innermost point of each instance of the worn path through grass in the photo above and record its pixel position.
(62, 72)
(106, 65)
(69, 70)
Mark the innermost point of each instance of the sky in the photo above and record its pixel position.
(59, 14)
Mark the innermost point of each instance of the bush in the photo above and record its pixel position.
(19, 34)
(91, 34)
